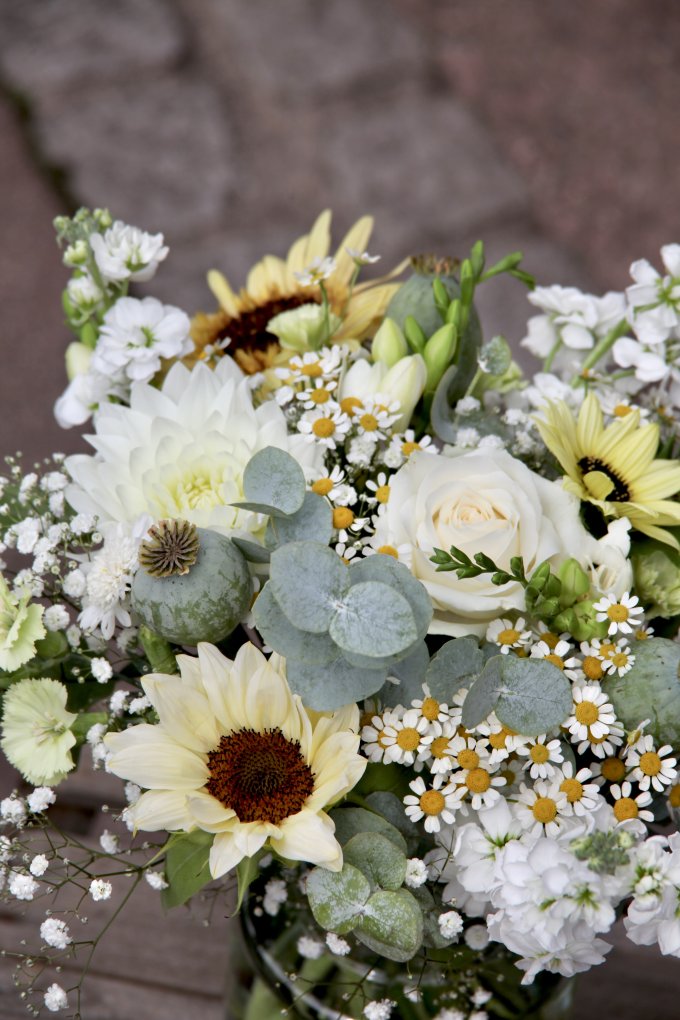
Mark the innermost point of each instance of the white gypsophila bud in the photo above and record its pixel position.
(156, 880)
(109, 842)
(336, 944)
(477, 937)
(310, 948)
(38, 865)
(22, 887)
(450, 924)
(55, 933)
(101, 670)
(416, 873)
(56, 618)
(56, 998)
(100, 890)
(40, 799)
(13, 810)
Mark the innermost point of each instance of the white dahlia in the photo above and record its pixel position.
(236, 753)
(181, 451)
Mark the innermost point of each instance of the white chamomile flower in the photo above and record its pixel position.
(362, 258)
(407, 444)
(436, 804)
(543, 809)
(620, 660)
(430, 708)
(348, 550)
(502, 740)
(330, 485)
(436, 747)
(542, 756)
(584, 797)
(560, 656)
(375, 419)
(347, 524)
(601, 747)
(403, 552)
(651, 767)
(379, 489)
(507, 634)
(403, 737)
(627, 807)
(621, 615)
(320, 394)
(593, 715)
(373, 733)
(318, 270)
(326, 427)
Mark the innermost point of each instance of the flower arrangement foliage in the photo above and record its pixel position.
(378, 629)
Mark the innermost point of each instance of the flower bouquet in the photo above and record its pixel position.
(377, 629)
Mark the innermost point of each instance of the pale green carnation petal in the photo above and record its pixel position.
(36, 730)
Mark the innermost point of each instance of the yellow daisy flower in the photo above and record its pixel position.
(614, 467)
(272, 287)
(235, 753)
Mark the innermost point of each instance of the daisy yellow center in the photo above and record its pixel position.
(432, 802)
(625, 808)
(642, 635)
(618, 613)
(261, 776)
(468, 759)
(555, 659)
(550, 639)
(320, 396)
(312, 371)
(368, 422)
(382, 493)
(439, 747)
(323, 428)
(342, 517)
(508, 636)
(430, 709)
(620, 659)
(388, 550)
(350, 405)
(607, 649)
(674, 796)
(613, 770)
(408, 448)
(592, 668)
(408, 738)
(499, 740)
(573, 790)
(650, 763)
(322, 486)
(478, 780)
(587, 713)
(539, 754)
(544, 810)
(622, 410)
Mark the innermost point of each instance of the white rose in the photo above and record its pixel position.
(480, 501)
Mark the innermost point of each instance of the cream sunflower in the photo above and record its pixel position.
(236, 753)
(614, 467)
(272, 288)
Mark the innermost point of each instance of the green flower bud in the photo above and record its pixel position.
(438, 354)
(575, 582)
(656, 569)
(305, 328)
(389, 344)
(76, 254)
(78, 357)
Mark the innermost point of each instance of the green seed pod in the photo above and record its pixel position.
(204, 604)
(650, 690)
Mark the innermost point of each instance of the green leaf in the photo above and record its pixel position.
(392, 925)
(312, 522)
(387, 570)
(410, 673)
(337, 898)
(274, 478)
(325, 688)
(484, 693)
(349, 821)
(378, 858)
(253, 552)
(529, 696)
(186, 866)
(247, 870)
(158, 651)
(453, 667)
(291, 642)
(391, 809)
(373, 619)
(309, 581)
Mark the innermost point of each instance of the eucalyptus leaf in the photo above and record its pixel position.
(352, 820)
(313, 521)
(410, 674)
(392, 925)
(337, 898)
(378, 858)
(391, 809)
(253, 552)
(388, 570)
(272, 477)
(186, 866)
(309, 581)
(495, 356)
(535, 695)
(332, 685)
(453, 666)
(373, 619)
(483, 696)
(291, 642)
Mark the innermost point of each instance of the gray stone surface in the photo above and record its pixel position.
(159, 155)
(66, 44)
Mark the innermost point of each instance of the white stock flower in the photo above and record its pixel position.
(480, 501)
(654, 300)
(571, 317)
(136, 334)
(83, 396)
(124, 252)
(181, 451)
(197, 763)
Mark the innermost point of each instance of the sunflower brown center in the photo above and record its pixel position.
(248, 333)
(620, 492)
(262, 776)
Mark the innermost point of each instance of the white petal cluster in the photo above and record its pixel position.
(571, 318)
(136, 334)
(124, 252)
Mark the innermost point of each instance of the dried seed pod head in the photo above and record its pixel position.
(172, 548)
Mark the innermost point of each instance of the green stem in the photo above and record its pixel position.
(547, 364)
(602, 348)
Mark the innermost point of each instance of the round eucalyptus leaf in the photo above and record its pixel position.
(483, 696)
(534, 695)
(312, 522)
(274, 478)
(352, 820)
(309, 582)
(388, 570)
(378, 858)
(332, 685)
(291, 642)
(453, 666)
(392, 925)
(373, 619)
(337, 898)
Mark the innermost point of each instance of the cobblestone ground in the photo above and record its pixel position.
(228, 124)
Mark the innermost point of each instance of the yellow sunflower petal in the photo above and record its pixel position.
(357, 237)
(219, 285)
